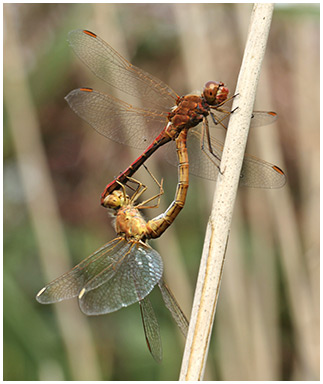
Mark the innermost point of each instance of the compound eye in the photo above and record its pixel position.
(115, 200)
(212, 84)
(210, 91)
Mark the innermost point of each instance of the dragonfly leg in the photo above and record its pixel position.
(161, 192)
(217, 121)
(123, 190)
(206, 133)
(152, 176)
(214, 158)
(141, 188)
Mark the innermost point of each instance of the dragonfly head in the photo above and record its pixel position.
(215, 92)
(116, 200)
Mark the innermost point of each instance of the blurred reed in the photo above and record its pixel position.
(41, 203)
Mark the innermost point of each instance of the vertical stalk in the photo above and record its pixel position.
(212, 262)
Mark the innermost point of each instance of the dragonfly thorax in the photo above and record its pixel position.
(190, 111)
(130, 223)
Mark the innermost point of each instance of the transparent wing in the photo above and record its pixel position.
(261, 118)
(110, 66)
(138, 271)
(71, 283)
(258, 173)
(115, 119)
(174, 308)
(255, 173)
(201, 163)
(257, 119)
(151, 329)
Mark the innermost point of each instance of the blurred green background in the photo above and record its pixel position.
(55, 167)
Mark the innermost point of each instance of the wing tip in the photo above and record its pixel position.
(39, 296)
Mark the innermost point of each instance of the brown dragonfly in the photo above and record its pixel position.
(160, 115)
(125, 270)
(122, 272)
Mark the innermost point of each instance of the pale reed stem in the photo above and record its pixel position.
(211, 267)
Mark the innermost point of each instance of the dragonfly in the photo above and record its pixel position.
(160, 115)
(125, 270)
(122, 272)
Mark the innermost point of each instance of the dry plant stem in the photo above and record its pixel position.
(211, 267)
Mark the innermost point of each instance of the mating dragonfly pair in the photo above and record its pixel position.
(125, 270)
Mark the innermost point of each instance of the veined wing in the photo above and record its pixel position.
(255, 173)
(71, 283)
(116, 119)
(107, 64)
(262, 118)
(139, 270)
(257, 119)
(151, 329)
(174, 308)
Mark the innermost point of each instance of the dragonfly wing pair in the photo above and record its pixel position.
(117, 275)
(255, 173)
(107, 64)
(150, 322)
